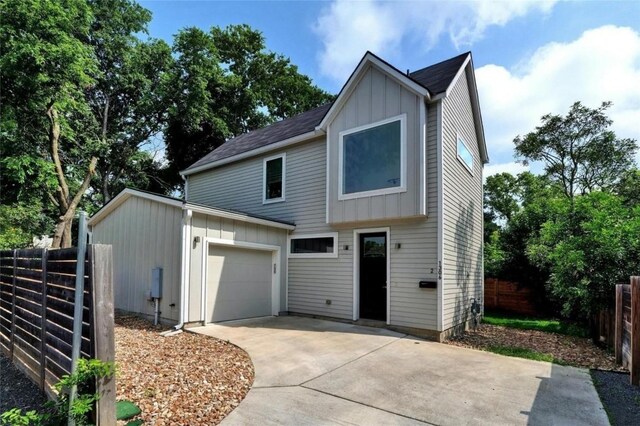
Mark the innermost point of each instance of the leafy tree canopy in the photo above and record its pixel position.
(87, 98)
(225, 83)
(579, 151)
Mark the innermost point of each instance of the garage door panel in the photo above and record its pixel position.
(238, 283)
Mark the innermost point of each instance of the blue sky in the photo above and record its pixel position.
(531, 57)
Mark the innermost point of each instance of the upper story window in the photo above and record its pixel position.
(273, 179)
(372, 159)
(464, 154)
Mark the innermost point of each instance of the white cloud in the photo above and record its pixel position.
(603, 64)
(349, 28)
(511, 167)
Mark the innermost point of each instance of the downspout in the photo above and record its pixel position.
(184, 268)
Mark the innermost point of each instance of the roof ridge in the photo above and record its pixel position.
(465, 54)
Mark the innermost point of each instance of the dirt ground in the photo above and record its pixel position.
(185, 379)
(18, 391)
(576, 351)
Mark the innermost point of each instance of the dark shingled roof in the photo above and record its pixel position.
(438, 77)
(435, 78)
(278, 131)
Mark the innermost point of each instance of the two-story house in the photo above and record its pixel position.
(367, 208)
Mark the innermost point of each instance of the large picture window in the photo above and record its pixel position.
(372, 159)
(273, 179)
(314, 245)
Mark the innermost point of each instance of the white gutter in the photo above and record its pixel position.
(267, 148)
(124, 196)
(185, 268)
(237, 216)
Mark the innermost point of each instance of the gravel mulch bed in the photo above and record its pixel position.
(576, 351)
(621, 400)
(185, 379)
(17, 391)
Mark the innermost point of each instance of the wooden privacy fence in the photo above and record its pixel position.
(37, 292)
(508, 296)
(627, 327)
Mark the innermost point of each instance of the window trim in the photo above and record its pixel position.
(403, 159)
(282, 198)
(459, 138)
(334, 254)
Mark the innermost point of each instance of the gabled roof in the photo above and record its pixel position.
(127, 193)
(429, 82)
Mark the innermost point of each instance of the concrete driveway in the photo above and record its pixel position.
(311, 371)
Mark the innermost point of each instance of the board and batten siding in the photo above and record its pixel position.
(376, 97)
(207, 226)
(463, 217)
(144, 234)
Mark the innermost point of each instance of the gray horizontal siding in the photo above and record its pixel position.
(239, 186)
(311, 282)
(314, 281)
(463, 218)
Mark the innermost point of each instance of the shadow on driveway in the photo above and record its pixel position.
(304, 367)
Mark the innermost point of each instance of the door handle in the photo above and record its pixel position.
(384, 286)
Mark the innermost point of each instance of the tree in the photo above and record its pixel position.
(226, 83)
(83, 94)
(629, 187)
(588, 245)
(127, 101)
(579, 151)
(506, 249)
(45, 67)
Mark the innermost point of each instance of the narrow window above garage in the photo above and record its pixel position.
(273, 179)
(372, 159)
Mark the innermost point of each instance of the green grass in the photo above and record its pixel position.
(552, 326)
(523, 353)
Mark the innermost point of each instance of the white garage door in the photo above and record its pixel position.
(238, 283)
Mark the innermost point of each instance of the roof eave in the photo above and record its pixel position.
(123, 196)
(467, 67)
(212, 211)
(254, 152)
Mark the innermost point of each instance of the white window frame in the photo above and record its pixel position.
(403, 160)
(333, 235)
(266, 200)
(459, 138)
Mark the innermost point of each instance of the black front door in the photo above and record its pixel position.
(373, 276)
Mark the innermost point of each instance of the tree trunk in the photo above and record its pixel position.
(68, 206)
(62, 234)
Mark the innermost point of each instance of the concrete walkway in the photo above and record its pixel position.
(316, 372)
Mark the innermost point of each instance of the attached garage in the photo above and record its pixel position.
(218, 265)
(240, 283)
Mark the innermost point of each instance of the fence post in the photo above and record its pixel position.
(635, 331)
(103, 318)
(43, 320)
(13, 306)
(617, 344)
